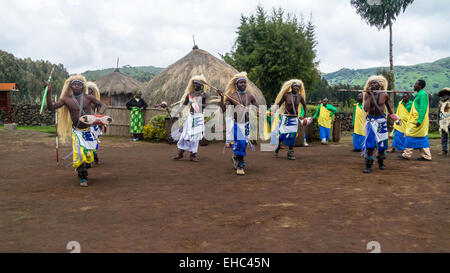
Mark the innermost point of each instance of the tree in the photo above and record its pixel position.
(29, 75)
(381, 14)
(275, 48)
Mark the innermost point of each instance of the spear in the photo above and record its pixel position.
(375, 91)
(45, 91)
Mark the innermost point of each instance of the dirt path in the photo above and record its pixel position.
(139, 200)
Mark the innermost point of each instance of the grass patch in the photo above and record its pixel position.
(434, 135)
(44, 129)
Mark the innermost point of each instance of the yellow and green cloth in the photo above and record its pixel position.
(277, 119)
(403, 111)
(417, 136)
(136, 120)
(359, 128)
(359, 119)
(83, 146)
(325, 115)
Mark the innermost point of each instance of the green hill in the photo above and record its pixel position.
(436, 74)
(140, 73)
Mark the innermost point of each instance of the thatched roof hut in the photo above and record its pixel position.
(169, 84)
(117, 88)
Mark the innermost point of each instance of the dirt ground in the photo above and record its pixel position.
(140, 200)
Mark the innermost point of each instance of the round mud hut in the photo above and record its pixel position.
(116, 88)
(169, 84)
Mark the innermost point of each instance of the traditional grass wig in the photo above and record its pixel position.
(286, 88)
(94, 87)
(64, 119)
(381, 80)
(443, 92)
(190, 89)
(190, 86)
(231, 85)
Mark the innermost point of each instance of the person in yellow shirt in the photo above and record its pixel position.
(325, 114)
(417, 126)
(359, 120)
(403, 110)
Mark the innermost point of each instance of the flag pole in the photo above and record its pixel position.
(57, 139)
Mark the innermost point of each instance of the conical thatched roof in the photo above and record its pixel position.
(117, 83)
(169, 84)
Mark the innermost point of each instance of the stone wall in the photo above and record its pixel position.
(27, 114)
(347, 119)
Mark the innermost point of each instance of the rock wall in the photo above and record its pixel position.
(347, 119)
(27, 114)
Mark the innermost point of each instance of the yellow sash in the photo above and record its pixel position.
(411, 129)
(403, 113)
(324, 117)
(360, 120)
(268, 127)
(299, 110)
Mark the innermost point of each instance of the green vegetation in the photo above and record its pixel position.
(44, 129)
(30, 76)
(434, 135)
(155, 129)
(140, 73)
(273, 49)
(436, 74)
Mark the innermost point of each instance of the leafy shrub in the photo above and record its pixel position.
(155, 129)
(312, 110)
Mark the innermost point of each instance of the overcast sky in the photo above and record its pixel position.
(91, 34)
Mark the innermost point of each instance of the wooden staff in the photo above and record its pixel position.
(167, 109)
(375, 91)
(45, 91)
(56, 127)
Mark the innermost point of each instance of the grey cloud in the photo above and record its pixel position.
(84, 34)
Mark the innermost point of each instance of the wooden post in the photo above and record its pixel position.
(310, 132)
(337, 130)
(299, 141)
(8, 105)
(302, 133)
